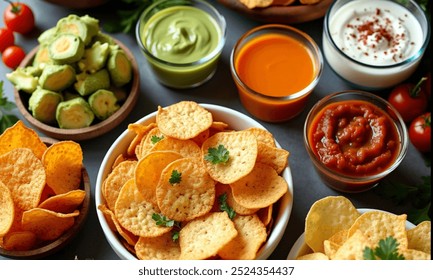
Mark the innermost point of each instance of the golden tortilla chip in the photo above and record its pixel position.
(20, 136)
(19, 241)
(242, 149)
(251, 235)
(23, 173)
(183, 120)
(260, 188)
(326, 217)
(7, 207)
(157, 248)
(214, 229)
(191, 195)
(64, 203)
(419, 237)
(116, 179)
(63, 163)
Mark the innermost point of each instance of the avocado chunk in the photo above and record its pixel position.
(103, 103)
(57, 77)
(42, 57)
(94, 58)
(74, 113)
(83, 27)
(22, 80)
(43, 104)
(47, 36)
(66, 49)
(102, 38)
(89, 83)
(119, 67)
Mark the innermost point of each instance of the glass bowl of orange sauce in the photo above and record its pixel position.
(275, 68)
(354, 139)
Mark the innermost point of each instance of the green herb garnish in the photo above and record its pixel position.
(217, 155)
(6, 120)
(175, 177)
(155, 139)
(162, 220)
(222, 199)
(386, 250)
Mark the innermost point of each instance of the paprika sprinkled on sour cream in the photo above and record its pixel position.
(376, 32)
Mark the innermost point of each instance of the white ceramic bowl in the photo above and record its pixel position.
(300, 248)
(237, 121)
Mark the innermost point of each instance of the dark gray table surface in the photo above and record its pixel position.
(91, 243)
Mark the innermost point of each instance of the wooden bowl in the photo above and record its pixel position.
(98, 127)
(62, 241)
(295, 13)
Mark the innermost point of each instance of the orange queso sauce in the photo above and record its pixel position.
(274, 65)
(355, 138)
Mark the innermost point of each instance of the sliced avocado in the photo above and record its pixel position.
(43, 104)
(103, 38)
(23, 80)
(74, 24)
(66, 49)
(68, 95)
(47, 36)
(74, 113)
(119, 67)
(92, 25)
(57, 77)
(94, 58)
(103, 103)
(89, 83)
(42, 57)
(33, 70)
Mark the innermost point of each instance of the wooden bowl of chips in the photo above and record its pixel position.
(138, 156)
(280, 11)
(97, 127)
(350, 230)
(57, 218)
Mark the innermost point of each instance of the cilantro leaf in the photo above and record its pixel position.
(6, 120)
(222, 199)
(387, 249)
(175, 178)
(162, 220)
(217, 155)
(155, 139)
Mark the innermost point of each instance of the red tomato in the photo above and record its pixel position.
(6, 38)
(19, 17)
(420, 132)
(12, 56)
(409, 99)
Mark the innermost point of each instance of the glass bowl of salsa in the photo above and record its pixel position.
(275, 68)
(354, 139)
(182, 41)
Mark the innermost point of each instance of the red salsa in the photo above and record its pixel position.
(355, 138)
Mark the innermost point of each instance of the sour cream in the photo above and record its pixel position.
(375, 44)
(376, 32)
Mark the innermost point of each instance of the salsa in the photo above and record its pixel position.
(355, 138)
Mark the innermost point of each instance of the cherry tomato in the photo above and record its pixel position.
(409, 99)
(19, 17)
(6, 38)
(420, 132)
(12, 56)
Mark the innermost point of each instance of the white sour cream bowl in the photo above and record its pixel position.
(375, 44)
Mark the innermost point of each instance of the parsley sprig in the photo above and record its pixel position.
(155, 139)
(162, 220)
(175, 177)
(6, 119)
(386, 250)
(217, 155)
(224, 206)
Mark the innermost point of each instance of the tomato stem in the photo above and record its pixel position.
(16, 8)
(417, 88)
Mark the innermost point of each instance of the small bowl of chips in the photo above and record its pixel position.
(209, 178)
(336, 230)
(44, 193)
